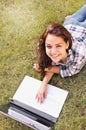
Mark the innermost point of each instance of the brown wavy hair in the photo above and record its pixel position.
(57, 30)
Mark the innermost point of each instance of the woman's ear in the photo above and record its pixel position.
(67, 45)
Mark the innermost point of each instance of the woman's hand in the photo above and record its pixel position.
(41, 94)
(36, 67)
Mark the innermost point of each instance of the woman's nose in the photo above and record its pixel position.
(54, 51)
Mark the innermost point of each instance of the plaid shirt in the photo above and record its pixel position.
(77, 55)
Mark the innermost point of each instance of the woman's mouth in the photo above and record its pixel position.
(55, 56)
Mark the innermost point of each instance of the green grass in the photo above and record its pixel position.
(21, 23)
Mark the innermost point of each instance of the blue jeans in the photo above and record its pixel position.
(78, 18)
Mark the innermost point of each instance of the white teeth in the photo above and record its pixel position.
(54, 56)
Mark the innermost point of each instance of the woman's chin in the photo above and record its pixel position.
(55, 61)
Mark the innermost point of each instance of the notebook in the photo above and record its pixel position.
(25, 108)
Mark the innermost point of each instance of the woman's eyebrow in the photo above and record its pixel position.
(47, 43)
(52, 43)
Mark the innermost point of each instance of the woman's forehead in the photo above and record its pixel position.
(53, 39)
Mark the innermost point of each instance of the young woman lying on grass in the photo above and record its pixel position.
(62, 49)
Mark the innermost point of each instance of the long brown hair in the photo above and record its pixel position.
(57, 30)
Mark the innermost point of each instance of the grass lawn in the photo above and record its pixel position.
(21, 23)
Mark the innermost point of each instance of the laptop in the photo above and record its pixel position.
(25, 108)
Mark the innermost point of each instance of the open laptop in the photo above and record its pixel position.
(26, 109)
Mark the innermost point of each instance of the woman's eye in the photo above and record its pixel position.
(49, 47)
(58, 46)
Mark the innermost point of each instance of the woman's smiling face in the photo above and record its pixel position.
(55, 47)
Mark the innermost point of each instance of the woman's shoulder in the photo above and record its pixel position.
(78, 33)
(75, 29)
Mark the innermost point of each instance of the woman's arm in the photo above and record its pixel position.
(53, 69)
(42, 92)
